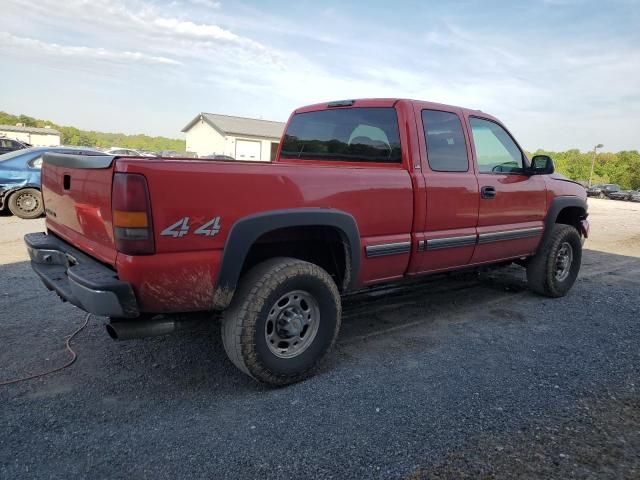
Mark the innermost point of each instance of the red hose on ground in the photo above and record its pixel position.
(68, 364)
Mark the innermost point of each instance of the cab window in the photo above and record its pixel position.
(496, 152)
(368, 134)
(446, 147)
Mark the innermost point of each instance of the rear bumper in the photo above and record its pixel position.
(79, 279)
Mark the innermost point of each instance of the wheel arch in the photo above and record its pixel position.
(566, 210)
(6, 194)
(246, 232)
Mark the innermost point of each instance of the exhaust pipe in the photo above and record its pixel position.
(130, 329)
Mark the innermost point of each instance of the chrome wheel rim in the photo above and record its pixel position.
(292, 324)
(564, 259)
(27, 202)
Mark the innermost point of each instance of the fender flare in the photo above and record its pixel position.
(557, 205)
(247, 230)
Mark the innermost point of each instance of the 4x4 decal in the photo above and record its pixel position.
(181, 228)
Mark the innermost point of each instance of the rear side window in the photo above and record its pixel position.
(446, 147)
(345, 134)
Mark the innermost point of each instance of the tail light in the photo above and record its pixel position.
(132, 222)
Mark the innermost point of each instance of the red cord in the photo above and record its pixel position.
(68, 364)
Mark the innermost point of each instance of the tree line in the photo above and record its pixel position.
(622, 168)
(90, 138)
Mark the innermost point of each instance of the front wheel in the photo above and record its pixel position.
(554, 268)
(26, 203)
(283, 320)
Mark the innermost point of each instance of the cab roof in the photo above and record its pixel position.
(376, 102)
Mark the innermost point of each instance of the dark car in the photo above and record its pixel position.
(175, 154)
(9, 145)
(20, 178)
(602, 191)
(216, 157)
(635, 196)
(621, 195)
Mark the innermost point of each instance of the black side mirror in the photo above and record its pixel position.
(541, 165)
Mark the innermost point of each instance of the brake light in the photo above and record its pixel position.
(131, 208)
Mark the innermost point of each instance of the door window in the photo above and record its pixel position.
(496, 152)
(36, 162)
(446, 147)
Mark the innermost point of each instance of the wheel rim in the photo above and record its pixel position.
(564, 259)
(292, 324)
(27, 202)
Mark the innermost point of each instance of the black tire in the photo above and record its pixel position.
(246, 322)
(544, 273)
(26, 203)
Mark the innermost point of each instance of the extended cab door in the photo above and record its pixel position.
(452, 197)
(512, 204)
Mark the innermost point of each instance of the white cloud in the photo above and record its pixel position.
(30, 46)
(206, 3)
(136, 22)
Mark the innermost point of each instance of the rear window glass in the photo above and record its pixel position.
(346, 134)
(446, 147)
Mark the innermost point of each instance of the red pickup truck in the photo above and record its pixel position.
(362, 192)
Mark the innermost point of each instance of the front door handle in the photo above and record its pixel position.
(488, 192)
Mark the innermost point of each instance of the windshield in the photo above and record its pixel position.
(346, 134)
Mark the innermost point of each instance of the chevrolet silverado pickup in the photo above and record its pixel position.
(362, 192)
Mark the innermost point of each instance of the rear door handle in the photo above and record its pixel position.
(488, 192)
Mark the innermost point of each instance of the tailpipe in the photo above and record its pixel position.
(130, 329)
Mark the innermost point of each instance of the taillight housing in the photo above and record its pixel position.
(131, 209)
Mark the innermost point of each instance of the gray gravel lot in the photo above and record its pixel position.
(427, 381)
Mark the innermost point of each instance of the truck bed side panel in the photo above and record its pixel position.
(380, 199)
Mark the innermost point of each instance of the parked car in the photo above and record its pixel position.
(9, 145)
(20, 179)
(621, 195)
(602, 191)
(217, 157)
(362, 192)
(128, 152)
(176, 154)
(635, 196)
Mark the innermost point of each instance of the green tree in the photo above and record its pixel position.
(89, 138)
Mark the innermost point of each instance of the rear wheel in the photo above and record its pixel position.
(554, 269)
(283, 320)
(26, 203)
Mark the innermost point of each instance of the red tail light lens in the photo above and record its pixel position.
(131, 208)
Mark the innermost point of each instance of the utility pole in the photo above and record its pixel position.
(593, 161)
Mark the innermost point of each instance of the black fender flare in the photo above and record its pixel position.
(247, 230)
(557, 205)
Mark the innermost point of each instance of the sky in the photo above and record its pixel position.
(559, 73)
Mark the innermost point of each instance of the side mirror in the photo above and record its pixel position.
(541, 165)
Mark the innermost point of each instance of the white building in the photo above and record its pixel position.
(38, 137)
(237, 137)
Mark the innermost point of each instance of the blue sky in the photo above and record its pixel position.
(560, 73)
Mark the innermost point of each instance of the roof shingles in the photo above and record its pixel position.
(14, 128)
(229, 125)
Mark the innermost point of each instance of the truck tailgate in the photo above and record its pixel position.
(77, 196)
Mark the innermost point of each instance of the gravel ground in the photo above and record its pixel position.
(462, 376)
